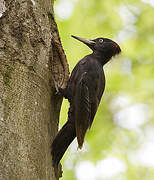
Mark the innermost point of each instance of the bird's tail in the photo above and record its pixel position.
(61, 142)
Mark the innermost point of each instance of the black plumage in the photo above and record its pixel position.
(84, 90)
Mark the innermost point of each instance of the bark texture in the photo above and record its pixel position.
(30, 54)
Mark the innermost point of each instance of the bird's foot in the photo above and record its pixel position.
(56, 85)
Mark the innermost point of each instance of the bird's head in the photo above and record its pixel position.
(102, 47)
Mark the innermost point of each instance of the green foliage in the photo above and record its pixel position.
(129, 75)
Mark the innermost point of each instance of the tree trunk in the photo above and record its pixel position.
(30, 56)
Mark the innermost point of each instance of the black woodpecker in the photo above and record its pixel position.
(84, 90)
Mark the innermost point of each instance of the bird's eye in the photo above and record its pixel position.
(101, 40)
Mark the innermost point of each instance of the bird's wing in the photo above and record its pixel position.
(82, 109)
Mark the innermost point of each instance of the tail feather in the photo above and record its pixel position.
(60, 144)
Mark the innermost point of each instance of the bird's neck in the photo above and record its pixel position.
(102, 58)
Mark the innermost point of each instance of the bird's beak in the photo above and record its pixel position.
(85, 41)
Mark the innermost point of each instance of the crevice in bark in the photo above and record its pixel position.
(58, 53)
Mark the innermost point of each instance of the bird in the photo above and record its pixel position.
(84, 90)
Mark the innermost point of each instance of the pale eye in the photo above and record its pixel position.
(101, 40)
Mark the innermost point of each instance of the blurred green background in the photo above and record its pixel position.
(120, 144)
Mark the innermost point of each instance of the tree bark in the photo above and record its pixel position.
(30, 55)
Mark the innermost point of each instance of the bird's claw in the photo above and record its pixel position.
(56, 85)
(57, 92)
